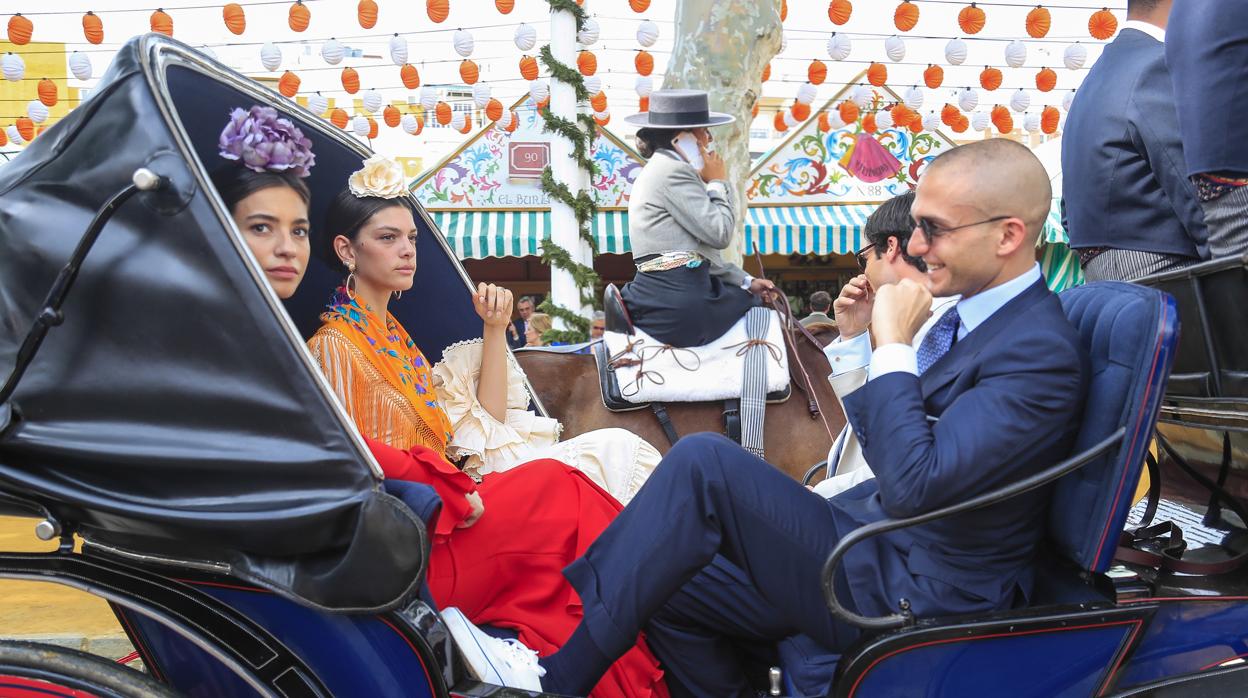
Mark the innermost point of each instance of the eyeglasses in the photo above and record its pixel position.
(931, 231)
(861, 256)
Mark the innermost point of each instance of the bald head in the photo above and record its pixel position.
(998, 177)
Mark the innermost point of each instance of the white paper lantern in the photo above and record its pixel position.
(80, 65)
(372, 101)
(360, 126)
(270, 57)
(588, 35)
(13, 66)
(37, 111)
(955, 51)
(968, 99)
(457, 120)
(980, 121)
(914, 98)
(539, 90)
(895, 47)
(807, 93)
(884, 119)
(593, 84)
(526, 37)
(647, 33)
(1020, 101)
(834, 119)
(480, 95)
(789, 120)
(931, 122)
(1067, 100)
(644, 86)
(332, 51)
(1032, 123)
(398, 50)
(862, 96)
(428, 97)
(463, 42)
(1075, 56)
(408, 123)
(1015, 54)
(14, 137)
(318, 104)
(505, 121)
(839, 46)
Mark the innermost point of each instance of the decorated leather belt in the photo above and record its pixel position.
(671, 260)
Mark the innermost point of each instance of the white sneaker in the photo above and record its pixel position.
(492, 660)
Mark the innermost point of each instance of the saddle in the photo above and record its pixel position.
(617, 318)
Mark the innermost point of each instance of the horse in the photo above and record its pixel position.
(567, 386)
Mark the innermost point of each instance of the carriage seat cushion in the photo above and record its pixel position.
(1129, 334)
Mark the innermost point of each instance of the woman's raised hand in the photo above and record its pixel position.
(493, 305)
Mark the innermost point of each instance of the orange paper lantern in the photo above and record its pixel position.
(420, 126)
(366, 13)
(544, 104)
(299, 16)
(784, 10)
(825, 124)
(515, 123)
(391, 115)
(161, 22)
(602, 120)
(442, 112)
(93, 28)
(339, 118)
(961, 124)
(848, 111)
(877, 74)
(990, 78)
(288, 85)
(493, 109)
(235, 19)
(817, 72)
(778, 122)
(1049, 119)
(1002, 119)
(949, 114)
(1046, 79)
(800, 111)
(902, 115)
(467, 123)
(934, 76)
(469, 72)
(766, 72)
(438, 10)
(4, 138)
(916, 125)
(1102, 24)
(409, 76)
(906, 16)
(505, 7)
(639, 5)
(20, 31)
(1038, 22)
(25, 127)
(868, 123)
(753, 109)
(839, 11)
(971, 19)
(372, 127)
(47, 92)
(644, 62)
(643, 105)
(528, 68)
(598, 101)
(350, 80)
(587, 63)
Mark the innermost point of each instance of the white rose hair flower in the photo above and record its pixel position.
(380, 177)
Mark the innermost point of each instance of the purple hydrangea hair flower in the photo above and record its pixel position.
(263, 141)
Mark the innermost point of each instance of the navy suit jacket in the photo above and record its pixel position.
(1007, 398)
(1207, 53)
(1124, 178)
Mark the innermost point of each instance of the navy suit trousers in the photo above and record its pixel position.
(718, 551)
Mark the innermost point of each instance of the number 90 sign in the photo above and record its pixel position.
(527, 160)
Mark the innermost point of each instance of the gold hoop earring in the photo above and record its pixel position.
(350, 283)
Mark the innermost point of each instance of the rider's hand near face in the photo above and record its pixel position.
(900, 310)
(478, 508)
(852, 308)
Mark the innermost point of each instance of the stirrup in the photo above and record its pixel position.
(617, 316)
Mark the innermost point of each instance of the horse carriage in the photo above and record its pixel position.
(159, 408)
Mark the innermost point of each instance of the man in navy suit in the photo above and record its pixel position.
(719, 548)
(1128, 205)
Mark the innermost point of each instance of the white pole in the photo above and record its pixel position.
(563, 228)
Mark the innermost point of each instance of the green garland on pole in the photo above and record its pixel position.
(582, 205)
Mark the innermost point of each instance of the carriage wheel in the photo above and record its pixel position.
(34, 669)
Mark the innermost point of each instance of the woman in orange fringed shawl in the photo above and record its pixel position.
(499, 546)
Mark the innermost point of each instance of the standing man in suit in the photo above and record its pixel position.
(1207, 52)
(516, 337)
(719, 548)
(820, 304)
(1127, 203)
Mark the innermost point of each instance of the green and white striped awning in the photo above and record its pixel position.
(805, 229)
(481, 234)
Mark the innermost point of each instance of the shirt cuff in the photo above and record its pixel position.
(745, 283)
(849, 354)
(717, 186)
(893, 358)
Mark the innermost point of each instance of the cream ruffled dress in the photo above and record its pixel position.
(616, 460)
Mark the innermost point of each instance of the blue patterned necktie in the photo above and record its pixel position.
(938, 340)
